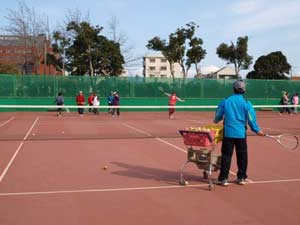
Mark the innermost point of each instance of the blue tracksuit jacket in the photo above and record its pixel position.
(236, 112)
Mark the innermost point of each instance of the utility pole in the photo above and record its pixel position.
(45, 53)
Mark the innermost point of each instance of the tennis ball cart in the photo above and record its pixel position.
(201, 143)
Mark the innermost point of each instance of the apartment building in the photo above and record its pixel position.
(156, 65)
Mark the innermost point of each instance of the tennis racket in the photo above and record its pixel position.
(288, 141)
(161, 89)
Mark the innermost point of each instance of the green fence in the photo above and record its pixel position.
(41, 90)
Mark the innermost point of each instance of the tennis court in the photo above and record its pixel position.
(52, 172)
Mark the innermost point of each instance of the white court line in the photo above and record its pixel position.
(2, 124)
(17, 151)
(168, 143)
(30, 129)
(159, 139)
(136, 129)
(135, 188)
(174, 146)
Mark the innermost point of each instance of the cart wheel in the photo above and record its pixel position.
(211, 186)
(183, 182)
(205, 175)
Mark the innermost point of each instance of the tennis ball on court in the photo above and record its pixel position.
(62, 132)
(33, 134)
(186, 183)
(105, 167)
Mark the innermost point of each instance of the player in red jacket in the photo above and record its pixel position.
(91, 101)
(80, 101)
(173, 98)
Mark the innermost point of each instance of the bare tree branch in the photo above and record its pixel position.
(126, 47)
(29, 26)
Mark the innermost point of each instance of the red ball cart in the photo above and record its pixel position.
(201, 143)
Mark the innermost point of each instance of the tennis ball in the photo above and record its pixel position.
(33, 134)
(186, 183)
(105, 167)
(62, 132)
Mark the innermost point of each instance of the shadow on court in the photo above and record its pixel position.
(150, 173)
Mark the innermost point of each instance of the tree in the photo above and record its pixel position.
(9, 69)
(91, 53)
(271, 66)
(32, 29)
(85, 40)
(236, 54)
(122, 39)
(111, 60)
(196, 53)
(62, 38)
(176, 51)
(160, 45)
(58, 55)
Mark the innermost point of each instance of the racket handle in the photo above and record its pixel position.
(260, 133)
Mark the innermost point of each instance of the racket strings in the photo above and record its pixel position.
(289, 141)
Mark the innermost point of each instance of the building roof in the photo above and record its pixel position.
(154, 55)
(209, 69)
(228, 71)
(15, 40)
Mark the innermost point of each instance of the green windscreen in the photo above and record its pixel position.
(136, 90)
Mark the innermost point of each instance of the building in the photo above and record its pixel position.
(27, 53)
(207, 71)
(295, 77)
(223, 73)
(158, 66)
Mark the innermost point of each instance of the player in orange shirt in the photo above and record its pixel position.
(173, 98)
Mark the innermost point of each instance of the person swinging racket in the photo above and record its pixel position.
(173, 98)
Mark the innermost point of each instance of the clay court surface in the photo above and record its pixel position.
(51, 172)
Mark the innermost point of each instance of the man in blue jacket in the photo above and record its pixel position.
(236, 112)
(110, 99)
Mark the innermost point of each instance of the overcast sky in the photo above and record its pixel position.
(271, 25)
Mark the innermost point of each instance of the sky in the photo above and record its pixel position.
(271, 25)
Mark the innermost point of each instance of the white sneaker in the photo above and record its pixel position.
(241, 181)
(222, 183)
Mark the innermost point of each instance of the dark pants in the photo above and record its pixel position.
(287, 109)
(240, 145)
(90, 109)
(109, 109)
(59, 109)
(80, 111)
(96, 111)
(115, 110)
